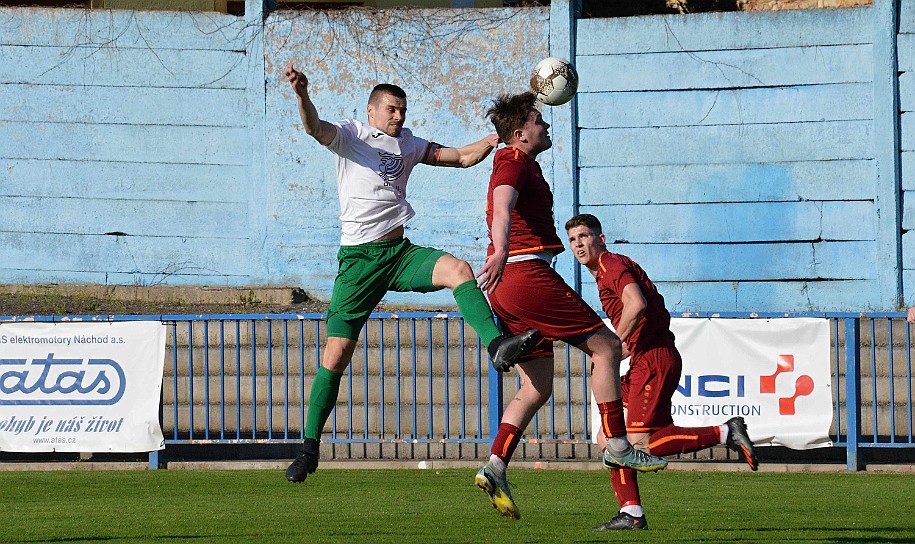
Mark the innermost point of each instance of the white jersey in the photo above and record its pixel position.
(372, 173)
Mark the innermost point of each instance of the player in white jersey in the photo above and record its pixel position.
(374, 162)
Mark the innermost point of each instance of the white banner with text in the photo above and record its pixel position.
(81, 386)
(773, 372)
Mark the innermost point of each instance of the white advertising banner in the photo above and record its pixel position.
(81, 386)
(773, 372)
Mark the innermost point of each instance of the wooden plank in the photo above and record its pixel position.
(80, 215)
(828, 140)
(906, 18)
(908, 250)
(836, 102)
(152, 256)
(121, 29)
(122, 67)
(907, 160)
(763, 296)
(129, 143)
(735, 30)
(752, 262)
(124, 180)
(907, 128)
(908, 210)
(123, 105)
(727, 69)
(907, 91)
(29, 276)
(905, 54)
(672, 184)
(736, 222)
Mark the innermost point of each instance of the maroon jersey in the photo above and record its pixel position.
(613, 274)
(533, 229)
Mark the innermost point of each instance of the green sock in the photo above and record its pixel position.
(476, 311)
(321, 402)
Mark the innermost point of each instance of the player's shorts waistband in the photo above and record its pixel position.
(383, 243)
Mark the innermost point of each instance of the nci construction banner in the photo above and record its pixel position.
(773, 372)
(81, 386)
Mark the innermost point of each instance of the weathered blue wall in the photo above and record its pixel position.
(732, 155)
(450, 62)
(750, 161)
(123, 122)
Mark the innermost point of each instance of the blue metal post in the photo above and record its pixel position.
(495, 401)
(853, 392)
(154, 460)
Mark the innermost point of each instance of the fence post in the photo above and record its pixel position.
(154, 460)
(495, 401)
(887, 146)
(853, 392)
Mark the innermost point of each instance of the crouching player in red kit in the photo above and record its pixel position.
(637, 312)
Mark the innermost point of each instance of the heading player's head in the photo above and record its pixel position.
(586, 238)
(519, 124)
(387, 109)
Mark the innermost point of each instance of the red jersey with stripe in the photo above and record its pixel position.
(615, 272)
(532, 227)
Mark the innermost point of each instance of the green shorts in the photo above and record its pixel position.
(367, 272)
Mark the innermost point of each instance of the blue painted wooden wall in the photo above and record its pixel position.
(750, 161)
(732, 155)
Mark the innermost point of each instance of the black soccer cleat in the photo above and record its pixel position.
(739, 441)
(513, 347)
(623, 521)
(305, 462)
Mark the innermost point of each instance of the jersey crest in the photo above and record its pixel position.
(390, 170)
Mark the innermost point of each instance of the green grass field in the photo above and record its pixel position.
(406, 506)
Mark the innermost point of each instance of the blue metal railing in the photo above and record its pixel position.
(239, 379)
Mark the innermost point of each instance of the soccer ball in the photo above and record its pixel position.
(554, 81)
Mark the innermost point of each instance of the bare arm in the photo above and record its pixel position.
(320, 130)
(504, 198)
(469, 155)
(634, 307)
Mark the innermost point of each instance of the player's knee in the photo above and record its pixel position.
(536, 396)
(462, 271)
(611, 346)
(455, 271)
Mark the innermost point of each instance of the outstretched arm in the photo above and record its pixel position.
(322, 131)
(469, 155)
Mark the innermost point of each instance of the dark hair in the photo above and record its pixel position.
(386, 88)
(585, 220)
(508, 113)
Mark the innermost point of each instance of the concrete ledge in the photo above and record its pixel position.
(161, 293)
(443, 464)
(10, 466)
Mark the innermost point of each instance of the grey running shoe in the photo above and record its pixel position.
(513, 347)
(497, 489)
(622, 521)
(739, 441)
(635, 459)
(305, 463)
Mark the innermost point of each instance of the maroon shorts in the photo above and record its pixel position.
(533, 296)
(648, 388)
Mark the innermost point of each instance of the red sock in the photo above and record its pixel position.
(672, 439)
(611, 418)
(506, 441)
(625, 486)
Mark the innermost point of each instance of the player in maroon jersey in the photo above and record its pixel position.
(526, 293)
(637, 312)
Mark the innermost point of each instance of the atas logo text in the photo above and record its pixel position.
(53, 381)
